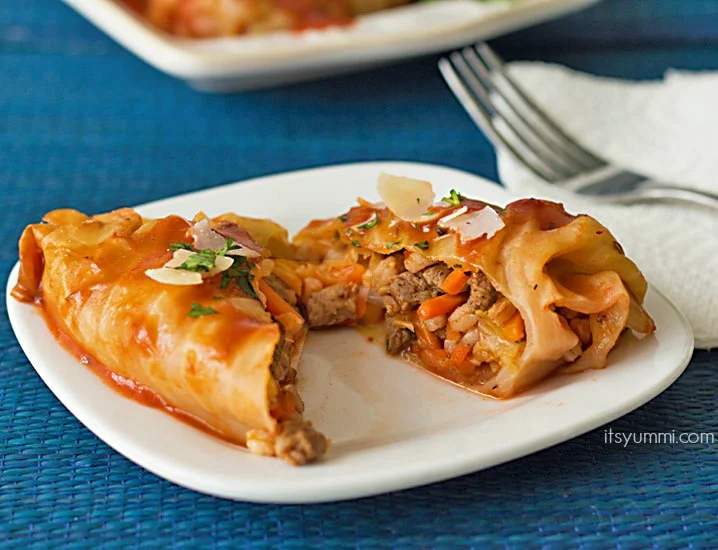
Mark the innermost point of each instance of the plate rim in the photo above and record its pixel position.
(329, 490)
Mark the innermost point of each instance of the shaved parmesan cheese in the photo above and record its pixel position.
(444, 222)
(179, 257)
(408, 198)
(474, 225)
(170, 276)
(221, 263)
(206, 238)
(243, 251)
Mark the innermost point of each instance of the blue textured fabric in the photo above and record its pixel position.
(84, 123)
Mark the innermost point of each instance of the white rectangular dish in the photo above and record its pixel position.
(392, 425)
(226, 64)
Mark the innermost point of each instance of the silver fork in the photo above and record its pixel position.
(511, 119)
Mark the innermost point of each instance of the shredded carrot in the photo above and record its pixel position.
(452, 335)
(350, 274)
(455, 282)
(427, 339)
(280, 308)
(292, 322)
(459, 354)
(440, 305)
(514, 329)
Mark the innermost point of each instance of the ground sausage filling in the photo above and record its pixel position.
(455, 322)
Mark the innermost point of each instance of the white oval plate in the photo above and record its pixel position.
(393, 426)
(252, 61)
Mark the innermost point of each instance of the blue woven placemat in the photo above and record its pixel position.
(84, 123)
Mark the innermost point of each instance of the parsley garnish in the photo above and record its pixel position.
(423, 245)
(204, 259)
(343, 217)
(418, 201)
(392, 245)
(428, 213)
(371, 223)
(453, 198)
(458, 266)
(356, 243)
(240, 272)
(218, 297)
(200, 311)
(181, 246)
(201, 261)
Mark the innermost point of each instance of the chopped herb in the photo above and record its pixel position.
(240, 271)
(423, 245)
(371, 223)
(440, 231)
(218, 297)
(344, 217)
(200, 311)
(356, 243)
(454, 198)
(392, 245)
(458, 266)
(181, 246)
(201, 261)
(418, 201)
(245, 283)
(428, 213)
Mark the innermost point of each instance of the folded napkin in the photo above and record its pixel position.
(665, 129)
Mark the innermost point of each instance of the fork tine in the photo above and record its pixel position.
(469, 96)
(559, 137)
(502, 106)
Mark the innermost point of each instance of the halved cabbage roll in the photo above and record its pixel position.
(188, 316)
(493, 299)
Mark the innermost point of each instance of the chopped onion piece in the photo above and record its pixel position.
(406, 197)
(206, 238)
(170, 276)
(474, 225)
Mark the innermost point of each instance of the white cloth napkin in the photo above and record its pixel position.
(666, 129)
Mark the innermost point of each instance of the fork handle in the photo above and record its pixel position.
(666, 193)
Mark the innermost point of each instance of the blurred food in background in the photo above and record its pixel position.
(214, 18)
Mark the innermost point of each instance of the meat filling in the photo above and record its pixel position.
(406, 291)
(333, 305)
(436, 274)
(282, 370)
(483, 294)
(455, 329)
(298, 442)
(397, 337)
